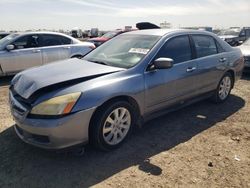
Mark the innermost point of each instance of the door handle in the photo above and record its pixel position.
(222, 60)
(66, 47)
(36, 51)
(191, 69)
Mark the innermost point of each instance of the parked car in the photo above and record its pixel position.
(20, 51)
(76, 33)
(107, 36)
(128, 80)
(94, 32)
(146, 25)
(3, 34)
(245, 49)
(235, 36)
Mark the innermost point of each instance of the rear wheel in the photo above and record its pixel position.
(224, 89)
(112, 125)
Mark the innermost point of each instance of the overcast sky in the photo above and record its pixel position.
(113, 14)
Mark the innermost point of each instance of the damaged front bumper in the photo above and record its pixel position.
(54, 133)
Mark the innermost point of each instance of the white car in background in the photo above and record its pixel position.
(245, 49)
(20, 51)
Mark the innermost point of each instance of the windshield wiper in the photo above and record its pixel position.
(98, 62)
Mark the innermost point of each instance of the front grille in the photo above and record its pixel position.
(19, 110)
(19, 106)
(25, 102)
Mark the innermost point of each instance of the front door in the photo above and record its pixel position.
(26, 54)
(168, 86)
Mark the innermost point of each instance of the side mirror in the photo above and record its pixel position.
(10, 47)
(163, 63)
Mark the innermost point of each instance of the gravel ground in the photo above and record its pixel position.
(203, 145)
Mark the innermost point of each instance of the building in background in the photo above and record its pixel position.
(166, 25)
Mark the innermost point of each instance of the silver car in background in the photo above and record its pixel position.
(245, 49)
(20, 51)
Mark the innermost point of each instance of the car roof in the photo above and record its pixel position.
(162, 32)
(41, 32)
(4, 33)
(47, 32)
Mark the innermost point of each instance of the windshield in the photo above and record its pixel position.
(124, 51)
(230, 32)
(110, 34)
(4, 41)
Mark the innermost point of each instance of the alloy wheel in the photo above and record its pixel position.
(225, 87)
(116, 126)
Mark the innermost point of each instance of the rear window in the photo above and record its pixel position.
(204, 45)
(55, 40)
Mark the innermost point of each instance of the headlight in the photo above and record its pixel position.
(56, 106)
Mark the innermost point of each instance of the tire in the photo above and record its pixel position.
(107, 132)
(224, 88)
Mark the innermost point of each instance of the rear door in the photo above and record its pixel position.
(211, 60)
(168, 86)
(55, 47)
(27, 54)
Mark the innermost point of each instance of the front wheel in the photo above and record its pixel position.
(112, 125)
(224, 89)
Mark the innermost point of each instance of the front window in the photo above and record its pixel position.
(28, 41)
(177, 48)
(124, 51)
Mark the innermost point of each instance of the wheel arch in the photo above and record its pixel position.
(232, 74)
(1, 70)
(125, 98)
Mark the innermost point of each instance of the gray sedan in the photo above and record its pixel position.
(128, 80)
(20, 51)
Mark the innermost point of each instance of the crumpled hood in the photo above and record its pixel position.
(29, 81)
(245, 50)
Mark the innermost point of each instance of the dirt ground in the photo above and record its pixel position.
(203, 145)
